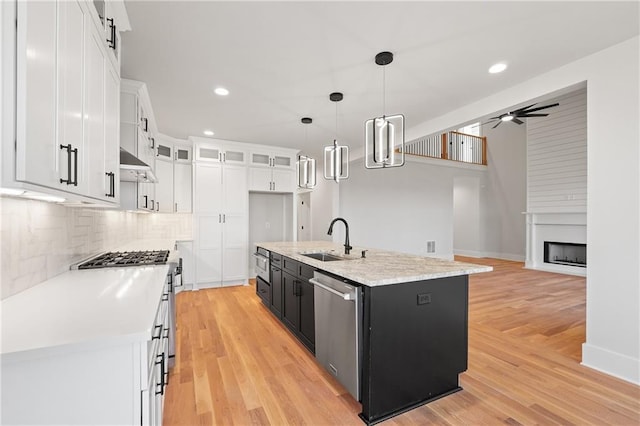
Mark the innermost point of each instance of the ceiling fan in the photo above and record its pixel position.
(515, 115)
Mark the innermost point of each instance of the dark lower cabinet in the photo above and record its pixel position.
(297, 301)
(276, 291)
(291, 303)
(263, 290)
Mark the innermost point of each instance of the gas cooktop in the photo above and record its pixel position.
(127, 258)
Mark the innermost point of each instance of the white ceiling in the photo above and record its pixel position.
(281, 60)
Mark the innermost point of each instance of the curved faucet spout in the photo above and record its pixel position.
(347, 247)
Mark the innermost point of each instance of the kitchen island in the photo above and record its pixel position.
(413, 320)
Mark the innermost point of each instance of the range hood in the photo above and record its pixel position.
(132, 169)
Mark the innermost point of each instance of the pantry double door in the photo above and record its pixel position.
(221, 223)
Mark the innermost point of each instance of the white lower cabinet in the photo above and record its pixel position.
(114, 381)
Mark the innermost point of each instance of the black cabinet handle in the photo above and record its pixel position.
(146, 202)
(165, 297)
(162, 373)
(157, 206)
(112, 185)
(157, 336)
(68, 179)
(153, 143)
(166, 333)
(153, 205)
(146, 124)
(112, 26)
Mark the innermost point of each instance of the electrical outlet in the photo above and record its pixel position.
(431, 246)
(424, 298)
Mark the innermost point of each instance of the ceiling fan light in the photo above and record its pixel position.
(497, 68)
(507, 117)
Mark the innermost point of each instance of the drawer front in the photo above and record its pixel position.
(263, 289)
(290, 266)
(306, 271)
(276, 260)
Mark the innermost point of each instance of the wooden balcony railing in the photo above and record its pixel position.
(452, 145)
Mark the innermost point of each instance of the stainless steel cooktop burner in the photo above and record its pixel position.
(127, 258)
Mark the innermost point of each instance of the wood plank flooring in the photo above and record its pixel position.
(237, 365)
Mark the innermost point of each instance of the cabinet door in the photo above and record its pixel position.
(37, 151)
(276, 291)
(186, 253)
(290, 302)
(182, 194)
(260, 159)
(307, 313)
(164, 151)
(260, 179)
(208, 186)
(71, 111)
(235, 195)
(164, 186)
(282, 161)
(208, 228)
(283, 180)
(112, 132)
(182, 154)
(208, 152)
(234, 156)
(99, 185)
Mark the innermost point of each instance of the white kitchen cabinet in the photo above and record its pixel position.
(219, 151)
(116, 374)
(271, 171)
(111, 18)
(220, 219)
(137, 127)
(188, 269)
(61, 104)
(173, 189)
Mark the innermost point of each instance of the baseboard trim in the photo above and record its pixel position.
(559, 269)
(494, 255)
(612, 363)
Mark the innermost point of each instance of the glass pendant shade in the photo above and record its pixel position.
(336, 162)
(306, 170)
(384, 142)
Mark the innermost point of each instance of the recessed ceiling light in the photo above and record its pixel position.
(496, 68)
(221, 91)
(208, 133)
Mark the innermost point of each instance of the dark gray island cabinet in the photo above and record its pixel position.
(413, 321)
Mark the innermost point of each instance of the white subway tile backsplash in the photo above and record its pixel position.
(40, 240)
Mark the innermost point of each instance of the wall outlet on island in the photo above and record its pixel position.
(431, 246)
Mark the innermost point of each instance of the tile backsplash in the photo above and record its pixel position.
(40, 240)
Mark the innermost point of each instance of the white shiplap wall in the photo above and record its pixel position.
(557, 156)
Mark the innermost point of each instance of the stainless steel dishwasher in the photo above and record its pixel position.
(338, 315)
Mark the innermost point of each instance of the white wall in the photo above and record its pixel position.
(323, 206)
(467, 215)
(401, 208)
(613, 194)
(504, 199)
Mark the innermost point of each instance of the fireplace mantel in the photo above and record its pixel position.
(564, 226)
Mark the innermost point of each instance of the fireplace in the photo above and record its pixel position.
(570, 254)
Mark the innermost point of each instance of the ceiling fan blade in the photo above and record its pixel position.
(532, 115)
(497, 124)
(516, 111)
(515, 120)
(539, 108)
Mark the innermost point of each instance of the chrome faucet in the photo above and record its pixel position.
(347, 247)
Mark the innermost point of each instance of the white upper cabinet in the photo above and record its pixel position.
(111, 18)
(220, 151)
(173, 189)
(66, 143)
(272, 171)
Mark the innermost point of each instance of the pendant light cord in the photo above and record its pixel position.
(336, 138)
(383, 91)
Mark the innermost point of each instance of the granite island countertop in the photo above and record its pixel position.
(378, 268)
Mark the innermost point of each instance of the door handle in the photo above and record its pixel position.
(75, 167)
(111, 177)
(68, 179)
(345, 296)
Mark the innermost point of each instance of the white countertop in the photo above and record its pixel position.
(85, 306)
(378, 268)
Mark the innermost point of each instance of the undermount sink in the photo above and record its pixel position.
(324, 257)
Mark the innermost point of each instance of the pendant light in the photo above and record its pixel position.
(336, 157)
(383, 133)
(306, 166)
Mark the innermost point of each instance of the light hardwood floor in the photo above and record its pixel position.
(237, 365)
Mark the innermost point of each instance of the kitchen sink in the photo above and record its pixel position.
(324, 257)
